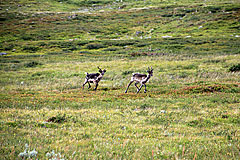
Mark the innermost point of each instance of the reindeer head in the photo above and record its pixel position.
(150, 71)
(101, 71)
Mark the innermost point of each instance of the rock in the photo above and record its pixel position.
(3, 53)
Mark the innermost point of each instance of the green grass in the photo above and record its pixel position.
(191, 109)
(197, 110)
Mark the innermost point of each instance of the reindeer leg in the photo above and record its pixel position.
(140, 88)
(84, 83)
(89, 86)
(136, 86)
(129, 85)
(96, 87)
(145, 88)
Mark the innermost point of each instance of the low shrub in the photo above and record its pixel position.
(127, 72)
(26, 37)
(32, 64)
(111, 49)
(31, 49)
(85, 52)
(227, 88)
(235, 68)
(57, 119)
(95, 46)
(54, 53)
(202, 123)
(8, 47)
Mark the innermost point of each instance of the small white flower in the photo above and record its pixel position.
(26, 145)
(23, 154)
(33, 153)
(163, 111)
(49, 155)
(166, 36)
(59, 155)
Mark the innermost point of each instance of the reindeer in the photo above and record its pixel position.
(94, 78)
(140, 78)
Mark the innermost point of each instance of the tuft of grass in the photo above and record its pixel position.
(57, 119)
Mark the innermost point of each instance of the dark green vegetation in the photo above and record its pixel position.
(191, 109)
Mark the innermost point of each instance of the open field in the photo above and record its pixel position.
(190, 111)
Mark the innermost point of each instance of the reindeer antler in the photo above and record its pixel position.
(100, 70)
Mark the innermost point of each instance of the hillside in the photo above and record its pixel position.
(39, 25)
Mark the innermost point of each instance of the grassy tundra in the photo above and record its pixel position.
(191, 109)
